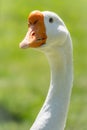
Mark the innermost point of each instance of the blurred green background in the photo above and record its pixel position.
(25, 74)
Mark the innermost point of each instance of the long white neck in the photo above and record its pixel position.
(54, 111)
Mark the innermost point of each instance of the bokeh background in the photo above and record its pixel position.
(25, 74)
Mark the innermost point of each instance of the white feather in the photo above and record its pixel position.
(58, 50)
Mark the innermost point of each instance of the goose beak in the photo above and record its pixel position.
(36, 35)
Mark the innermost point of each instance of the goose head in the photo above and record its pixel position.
(45, 29)
(48, 33)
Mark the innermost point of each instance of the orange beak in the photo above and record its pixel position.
(36, 35)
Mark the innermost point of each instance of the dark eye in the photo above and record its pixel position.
(50, 20)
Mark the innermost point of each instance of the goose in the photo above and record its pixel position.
(48, 34)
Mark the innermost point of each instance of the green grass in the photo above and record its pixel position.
(25, 75)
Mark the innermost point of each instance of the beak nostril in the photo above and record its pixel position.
(32, 33)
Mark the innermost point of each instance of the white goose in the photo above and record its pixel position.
(48, 33)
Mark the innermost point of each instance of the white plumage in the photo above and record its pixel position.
(57, 46)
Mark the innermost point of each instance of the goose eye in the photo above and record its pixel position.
(50, 20)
